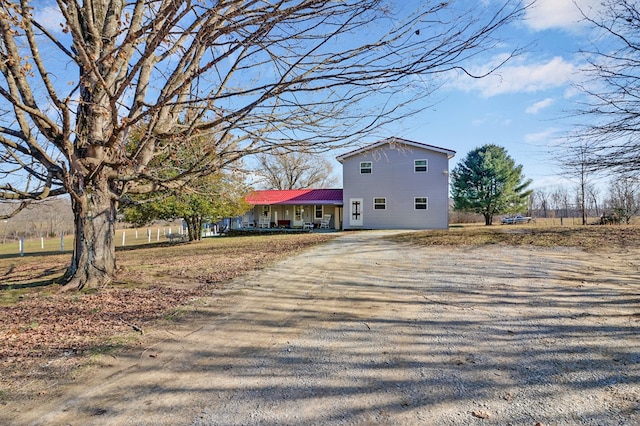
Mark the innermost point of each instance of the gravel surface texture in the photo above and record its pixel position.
(364, 331)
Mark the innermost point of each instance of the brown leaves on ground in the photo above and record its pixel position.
(39, 329)
(45, 334)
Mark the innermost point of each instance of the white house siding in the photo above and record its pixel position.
(393, 177)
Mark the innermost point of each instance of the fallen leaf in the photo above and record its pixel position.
(480, 414)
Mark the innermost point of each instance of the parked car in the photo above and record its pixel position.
(510, 220)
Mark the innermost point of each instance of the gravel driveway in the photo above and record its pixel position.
(363, 331)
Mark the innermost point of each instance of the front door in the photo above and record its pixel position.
(355, 212)
(298, 218)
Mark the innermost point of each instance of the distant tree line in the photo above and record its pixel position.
(619, 202)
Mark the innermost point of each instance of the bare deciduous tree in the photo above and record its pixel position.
(250, 76)
(541, 201)
(612, 110)
(577, 162)
(295, 170)
(624, 197)
(560, 202)
(592, 192)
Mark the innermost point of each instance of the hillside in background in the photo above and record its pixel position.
(48, 218)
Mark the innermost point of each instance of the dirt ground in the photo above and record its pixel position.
(362, 330)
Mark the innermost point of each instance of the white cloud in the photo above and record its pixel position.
(536, 107)
(478, 122)
(493, 120)
(566, 14)
(572, 92)
(552, 182)
(520, 78)
(547, 137)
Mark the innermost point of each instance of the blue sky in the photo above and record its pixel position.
(524, 106)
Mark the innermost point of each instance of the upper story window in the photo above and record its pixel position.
(420, 166)
(421, 203)
(380, 203)
(366, 167)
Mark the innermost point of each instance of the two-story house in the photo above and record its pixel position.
(396, 184)
(392, 184)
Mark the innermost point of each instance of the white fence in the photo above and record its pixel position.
(124, 237)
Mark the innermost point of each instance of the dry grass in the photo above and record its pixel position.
(210, 260)
(591, 238)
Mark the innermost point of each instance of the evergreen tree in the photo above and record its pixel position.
(489, 182)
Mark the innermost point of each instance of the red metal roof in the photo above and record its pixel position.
(295, 196)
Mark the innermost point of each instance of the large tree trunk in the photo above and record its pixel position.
(194, 227)
(93, 262)
(93, 200)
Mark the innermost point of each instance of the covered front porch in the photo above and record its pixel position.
(294, 209)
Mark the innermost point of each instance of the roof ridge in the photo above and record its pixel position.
(450, 153)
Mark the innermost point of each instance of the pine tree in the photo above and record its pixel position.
(489, 182)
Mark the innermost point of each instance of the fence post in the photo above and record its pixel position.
(21, 246)
(158, 237)
(61, 242)
(148, 235)
(42, 243)
(123, 234)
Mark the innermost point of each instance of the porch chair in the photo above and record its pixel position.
(324, 222)
(264, 222)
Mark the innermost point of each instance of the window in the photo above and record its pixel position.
(366, 167)
(319, 212)
(380, 203)
(420, 166)
(421, 203)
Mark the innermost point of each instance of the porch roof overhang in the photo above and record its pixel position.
(295, 197)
